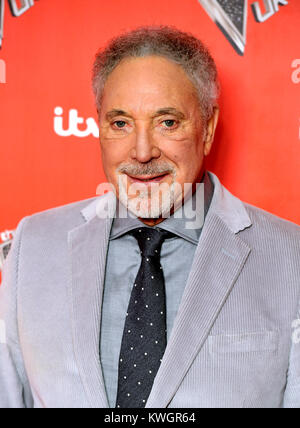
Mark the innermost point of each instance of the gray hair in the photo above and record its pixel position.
(182, 48)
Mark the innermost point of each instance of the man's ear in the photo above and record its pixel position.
(210, 130)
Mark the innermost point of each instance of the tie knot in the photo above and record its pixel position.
(150, 240)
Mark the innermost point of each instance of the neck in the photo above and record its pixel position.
(151, 221)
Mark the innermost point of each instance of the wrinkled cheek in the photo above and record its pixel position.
(110, 158)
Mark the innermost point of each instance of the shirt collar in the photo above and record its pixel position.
(178, 222)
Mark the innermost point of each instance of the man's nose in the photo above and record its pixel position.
(145, 147)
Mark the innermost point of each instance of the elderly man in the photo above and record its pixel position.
(167, 291)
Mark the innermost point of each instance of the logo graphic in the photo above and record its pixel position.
(231, 17)
(271, 7)
(17, 9)
(91, 127)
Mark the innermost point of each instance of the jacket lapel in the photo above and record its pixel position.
(88, 245)
(218, 261)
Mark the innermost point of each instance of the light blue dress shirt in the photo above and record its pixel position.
(122, 265)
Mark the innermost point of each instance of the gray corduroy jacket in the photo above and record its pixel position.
(235, 341)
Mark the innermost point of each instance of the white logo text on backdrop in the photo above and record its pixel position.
(72, 129)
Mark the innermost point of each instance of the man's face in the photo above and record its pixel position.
(152, 134)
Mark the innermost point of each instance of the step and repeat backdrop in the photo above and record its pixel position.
(49, 148)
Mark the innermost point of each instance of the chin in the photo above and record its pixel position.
(149, 208)
(143, 208)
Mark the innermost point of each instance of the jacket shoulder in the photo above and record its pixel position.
(270, 225)
(263, 216)
(56, 220)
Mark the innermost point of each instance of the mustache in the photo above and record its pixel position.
(148, 169)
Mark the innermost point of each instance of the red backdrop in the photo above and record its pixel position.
(48, 53)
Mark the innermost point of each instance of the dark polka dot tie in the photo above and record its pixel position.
(145, 335)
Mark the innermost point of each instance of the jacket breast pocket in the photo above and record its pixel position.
(244, 343)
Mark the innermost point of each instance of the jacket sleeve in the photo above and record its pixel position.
(14, 386)
(292, 392)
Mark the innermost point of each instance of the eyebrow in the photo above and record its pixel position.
(161, 112)
(113, 113)
(169, 110)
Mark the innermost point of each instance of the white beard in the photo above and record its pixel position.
(151, 201)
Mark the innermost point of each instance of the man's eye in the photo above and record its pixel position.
(120, 124)
(169, 123)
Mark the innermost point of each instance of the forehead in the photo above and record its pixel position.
(147, 84)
